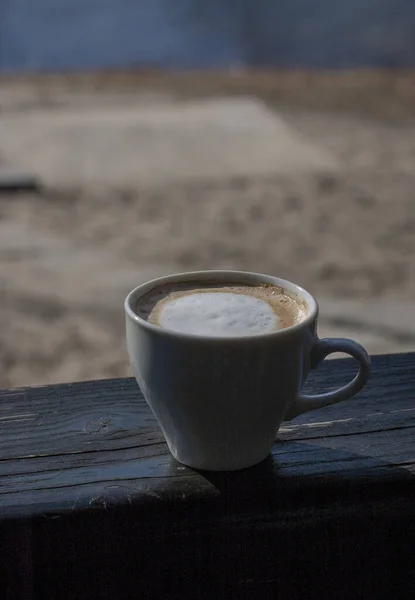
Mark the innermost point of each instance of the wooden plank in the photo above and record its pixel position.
(111, 414)
(96, 506)
(16, 561)
(250, 553)
(96, 443)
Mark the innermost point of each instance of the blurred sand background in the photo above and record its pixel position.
(338, 219)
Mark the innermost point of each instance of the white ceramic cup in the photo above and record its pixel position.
(220, 401)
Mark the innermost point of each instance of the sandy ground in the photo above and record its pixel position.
(68, 256)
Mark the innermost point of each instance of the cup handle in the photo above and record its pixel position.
(323, 348)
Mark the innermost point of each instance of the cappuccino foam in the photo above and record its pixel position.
(214, 310)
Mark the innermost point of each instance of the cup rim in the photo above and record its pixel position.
(289, 286)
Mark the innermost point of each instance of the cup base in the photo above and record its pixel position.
(218, 467)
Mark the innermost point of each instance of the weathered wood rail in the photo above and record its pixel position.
(92, 505)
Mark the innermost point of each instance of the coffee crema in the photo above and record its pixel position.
(213, 309)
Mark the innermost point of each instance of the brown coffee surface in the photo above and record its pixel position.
(156, 304)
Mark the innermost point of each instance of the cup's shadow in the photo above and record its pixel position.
(297, 473)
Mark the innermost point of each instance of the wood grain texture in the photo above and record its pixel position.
(89, 489)
(85, 444)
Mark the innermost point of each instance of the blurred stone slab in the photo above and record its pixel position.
(374, 343)
(13, 179)
(18, 238)
(388, 316)
(36, 266)
(158, 143)
(381, 326)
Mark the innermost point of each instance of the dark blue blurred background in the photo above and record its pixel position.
(87, 34)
